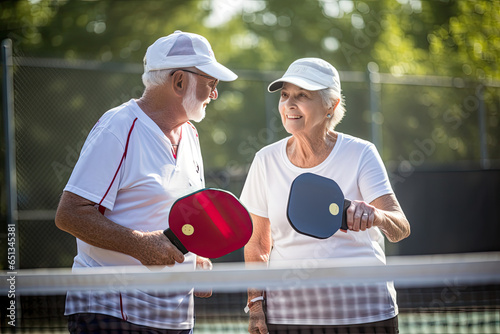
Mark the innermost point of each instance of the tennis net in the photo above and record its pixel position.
(435, 294)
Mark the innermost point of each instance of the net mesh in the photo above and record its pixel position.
(435, 294)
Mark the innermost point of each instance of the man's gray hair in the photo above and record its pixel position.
(330, 97)
(155, 78)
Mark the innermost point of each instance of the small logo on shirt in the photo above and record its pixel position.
(196, 167)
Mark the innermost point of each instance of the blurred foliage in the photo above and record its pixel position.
(454, 38)
(403, 37)
(258, 39)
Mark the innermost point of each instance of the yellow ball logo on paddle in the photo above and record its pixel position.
(188, 229)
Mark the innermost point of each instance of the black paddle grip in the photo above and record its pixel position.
(347, 203)
(175, 241)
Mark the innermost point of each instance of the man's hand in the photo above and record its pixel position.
(157, 250)
(203, 264)
(80, 217)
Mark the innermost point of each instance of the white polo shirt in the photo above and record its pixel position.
(357, 168)
(139, 197)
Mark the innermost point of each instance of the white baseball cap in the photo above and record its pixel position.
(310, 74)
(183, 49)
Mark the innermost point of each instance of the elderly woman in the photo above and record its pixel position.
(311, 105)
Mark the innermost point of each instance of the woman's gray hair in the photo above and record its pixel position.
(155, 78)
(330, 97)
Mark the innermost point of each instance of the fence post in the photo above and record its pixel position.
(269, 105)
(10, 140)
(376, 117)
(12, 228)
(485, 162)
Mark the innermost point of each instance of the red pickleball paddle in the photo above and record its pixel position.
(209, 222)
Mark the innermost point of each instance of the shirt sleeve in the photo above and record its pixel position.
(373, 180)
(93, 177)
(254, 193)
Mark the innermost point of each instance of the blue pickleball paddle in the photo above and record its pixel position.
(317, 206)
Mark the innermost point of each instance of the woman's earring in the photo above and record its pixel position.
(328, 116)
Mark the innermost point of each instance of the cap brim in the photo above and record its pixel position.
(298, 81)
(218, 71)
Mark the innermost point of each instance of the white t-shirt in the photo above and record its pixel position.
(359, 171)
(148, 182)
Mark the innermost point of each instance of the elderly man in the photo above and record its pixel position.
(137, 160)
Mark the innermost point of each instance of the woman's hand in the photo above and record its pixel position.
(257, 250)
(360, 216)
(257, 321)
(384, 212)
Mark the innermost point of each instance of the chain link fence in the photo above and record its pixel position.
(55, 108)
(416, 122)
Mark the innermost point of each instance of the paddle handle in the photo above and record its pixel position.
(174, 240)
(344, 227)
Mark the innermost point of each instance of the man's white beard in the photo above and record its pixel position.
(195, 111)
